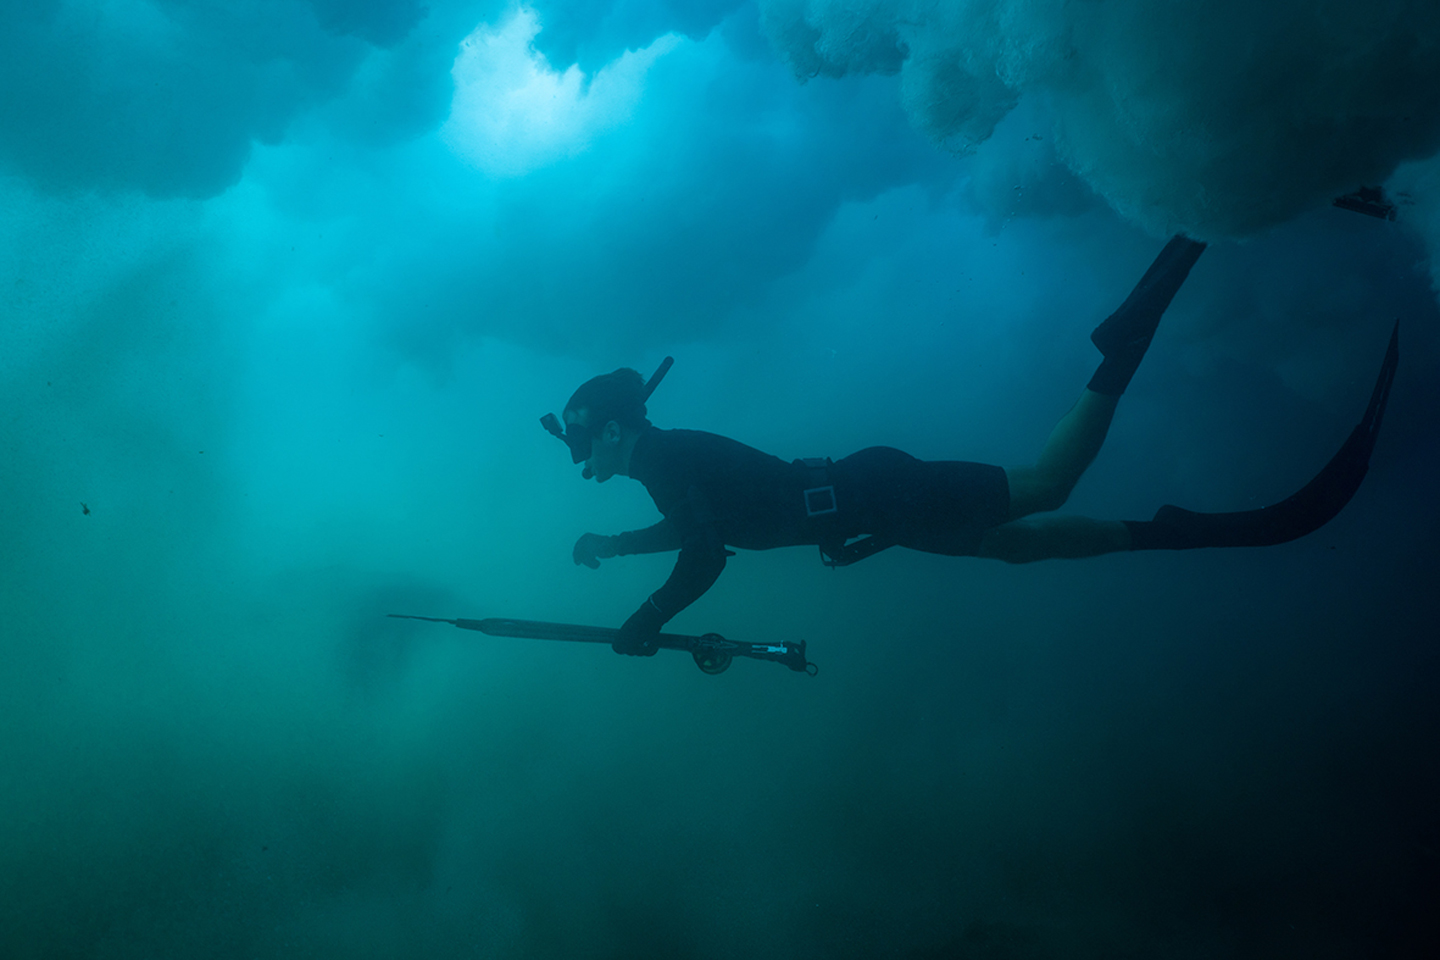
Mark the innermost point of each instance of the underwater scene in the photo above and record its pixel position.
(1024, 413)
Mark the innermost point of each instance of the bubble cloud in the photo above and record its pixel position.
(1220, 119)
(169, 97)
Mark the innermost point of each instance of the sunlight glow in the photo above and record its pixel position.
(512, 113)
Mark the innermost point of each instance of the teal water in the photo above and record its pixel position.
(285, 289)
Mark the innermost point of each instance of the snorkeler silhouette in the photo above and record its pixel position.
(714, 492)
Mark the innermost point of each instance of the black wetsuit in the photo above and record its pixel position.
(715, 492)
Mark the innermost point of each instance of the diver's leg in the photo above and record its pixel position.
(1073, 444)
(1047, 538)
(1123, 338)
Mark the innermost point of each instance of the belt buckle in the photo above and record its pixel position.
(820, 501)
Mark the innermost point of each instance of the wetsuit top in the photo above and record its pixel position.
(712, 491)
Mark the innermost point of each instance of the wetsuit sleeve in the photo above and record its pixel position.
(657, 539)
(701, 560)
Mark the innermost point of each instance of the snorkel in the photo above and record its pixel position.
(580, 438)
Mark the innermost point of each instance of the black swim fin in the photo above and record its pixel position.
(1125, 335)
(1315, 505)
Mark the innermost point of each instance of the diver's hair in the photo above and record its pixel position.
(618, 396)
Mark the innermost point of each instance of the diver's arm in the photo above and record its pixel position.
(660, 538)
(701, 561)
(591, 548)
(699, 564)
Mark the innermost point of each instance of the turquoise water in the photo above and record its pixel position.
(285, 289)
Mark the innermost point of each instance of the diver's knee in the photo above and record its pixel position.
(1034, 492)
(1055, 495)
(1048, 494)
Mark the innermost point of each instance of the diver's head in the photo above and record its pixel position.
(603, 419)
(605, 416)
(602, 445)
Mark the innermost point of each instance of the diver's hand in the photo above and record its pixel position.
(637, 635)
(591, 548)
